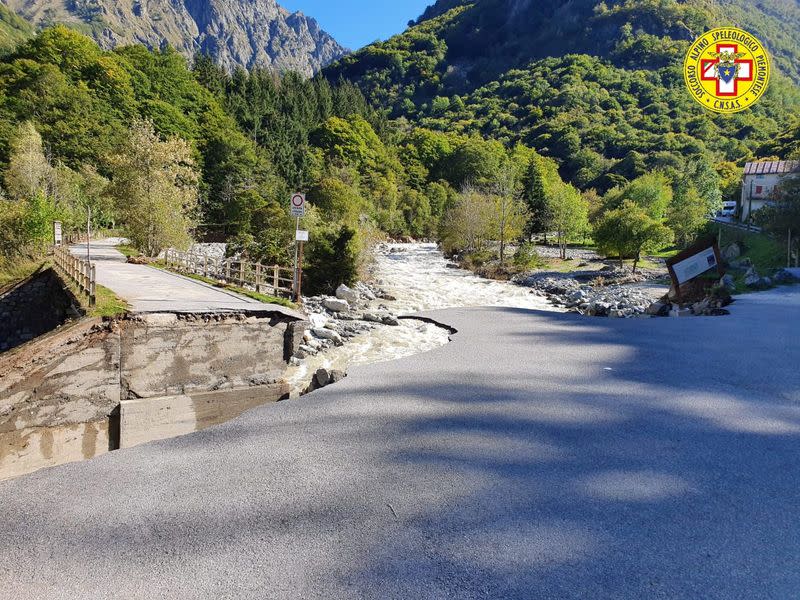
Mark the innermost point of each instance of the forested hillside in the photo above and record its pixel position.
(225, 151)
(610, 103)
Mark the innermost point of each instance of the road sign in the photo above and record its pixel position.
(694, 262)
(57, 235)
(302, 236)
(298, 205)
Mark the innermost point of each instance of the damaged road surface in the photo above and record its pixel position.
(538, 455)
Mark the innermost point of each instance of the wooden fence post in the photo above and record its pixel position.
(93, 285)
(276, 278)
(258, 277)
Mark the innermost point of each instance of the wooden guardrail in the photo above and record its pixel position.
(276, 280)
(79, 270)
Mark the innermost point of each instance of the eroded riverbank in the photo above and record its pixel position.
(412, 278)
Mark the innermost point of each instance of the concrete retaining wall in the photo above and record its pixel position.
(57, 395)
(94, 386)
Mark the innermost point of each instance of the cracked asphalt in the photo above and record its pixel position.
(538, 455)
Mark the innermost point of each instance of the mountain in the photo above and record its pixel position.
(237, 33)
(596, 85)
(13, 29)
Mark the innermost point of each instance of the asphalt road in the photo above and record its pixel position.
(151, 290)
(539, 455)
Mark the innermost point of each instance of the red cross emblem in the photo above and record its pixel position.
(727, 73)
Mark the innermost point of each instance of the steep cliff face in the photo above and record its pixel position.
(244, 33)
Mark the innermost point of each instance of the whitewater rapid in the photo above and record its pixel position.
(419, 277)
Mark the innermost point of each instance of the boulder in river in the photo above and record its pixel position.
(336, 305)
(345, 293)
(328, 334)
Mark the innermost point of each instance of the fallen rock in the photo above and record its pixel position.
(732, 252)
(742, 264)
(336, 305)
(345, 293)
(752, 278)
(658, 309)
(728, 283)
(321, 378)
(337, 376)
(782, 276)
(328, 334)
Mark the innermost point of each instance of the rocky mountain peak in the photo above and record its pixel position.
(237, 33)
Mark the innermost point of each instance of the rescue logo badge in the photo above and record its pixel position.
(727, 70)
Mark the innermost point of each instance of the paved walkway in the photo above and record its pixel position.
(150, 290)
(539, 455)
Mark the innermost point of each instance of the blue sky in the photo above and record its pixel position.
(356, 23)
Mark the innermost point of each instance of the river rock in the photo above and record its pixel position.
(345, 293)
(658, 309)
(751, 278)
(390, 320)
(732, 252)
(336, 305)
(337, 376)
(728, 283)
(328, 334)
(782, 276)
(742, 264)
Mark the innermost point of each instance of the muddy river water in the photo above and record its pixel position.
(419, 277)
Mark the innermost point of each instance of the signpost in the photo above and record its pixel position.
(693, 262)
(58, 236)
(297, 206)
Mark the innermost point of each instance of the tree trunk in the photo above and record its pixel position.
(636, 260)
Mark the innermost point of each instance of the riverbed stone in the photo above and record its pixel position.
(328, 334)
(345, 293)
(336, 305)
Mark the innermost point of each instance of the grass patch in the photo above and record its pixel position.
(265, 298)
(12, 272)
(107, 304)
(129, 251)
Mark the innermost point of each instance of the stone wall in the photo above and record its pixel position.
(33, 307)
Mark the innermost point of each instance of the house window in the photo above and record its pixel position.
(759, 189)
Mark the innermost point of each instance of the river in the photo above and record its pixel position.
(418, 277)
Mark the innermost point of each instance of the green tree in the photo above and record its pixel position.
(538, 182)
(29, 172)
(510, 214)
(154, 185)
(687, 215)
(651, 192)
(468, 224)
(782, 216)
(570, 213)
(628, 231)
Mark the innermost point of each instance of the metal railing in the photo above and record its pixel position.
(273, 279)
(79, 270)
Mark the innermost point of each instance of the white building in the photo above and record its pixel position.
(760, 180)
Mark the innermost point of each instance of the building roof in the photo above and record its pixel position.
(772, 167)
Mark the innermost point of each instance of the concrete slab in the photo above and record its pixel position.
(151, 290)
